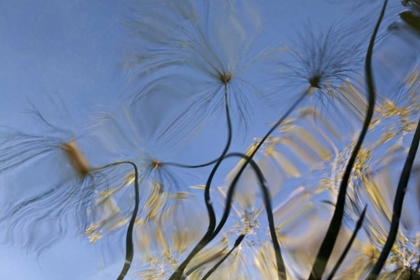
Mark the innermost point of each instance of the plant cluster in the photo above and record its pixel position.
(321, 194)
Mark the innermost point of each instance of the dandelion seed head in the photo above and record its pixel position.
(125, 135)
(55, 205)
(220, 58)
(322, 60)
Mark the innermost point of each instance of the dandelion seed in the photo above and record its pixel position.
(65, 196)
(125, 137)
(323, 61)
(217, 57)
(55, 205)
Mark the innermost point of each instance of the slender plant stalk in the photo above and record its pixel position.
(267, 201)
(192, 166)
(209, 234)
(129, 254)
(248, 159)
(281, 270)
(398, 204)
(335, 224)
(216, 266)
(349, 244)
(258, 146)
(212, 216)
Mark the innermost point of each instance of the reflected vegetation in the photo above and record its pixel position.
(329, 190)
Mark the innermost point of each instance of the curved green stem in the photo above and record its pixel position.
(129, 254)
(192, 166)
(216, 266)
(212, 216)
(267, 201)
(348, 246)
(398, 204)
(328, 243)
